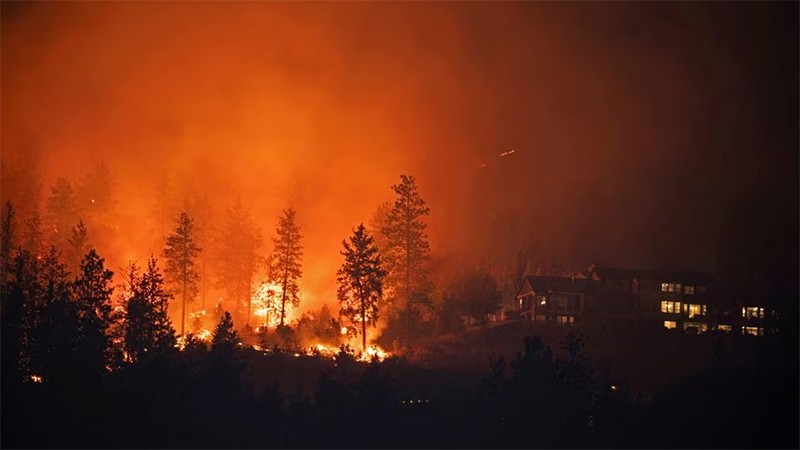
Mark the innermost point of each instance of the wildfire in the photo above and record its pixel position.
(373, 353)
(180, 344)
(204, 335)
(265, 305)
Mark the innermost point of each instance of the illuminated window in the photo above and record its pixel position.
(699, 326)
(670, 324)
(670, 307)
(670, 287)
(725, 328)
(688, 290)
(755, 331)
(705, 310)
(565, 320)
(696, 310)
(752, 312)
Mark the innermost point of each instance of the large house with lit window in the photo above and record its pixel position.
(683, 301)
(554, 299)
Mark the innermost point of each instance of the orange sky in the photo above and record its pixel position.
(617, 112)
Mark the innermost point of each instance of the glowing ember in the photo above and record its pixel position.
(204, 335)
(180, 344)
(344, 330)
(36, 378)
(373, 352)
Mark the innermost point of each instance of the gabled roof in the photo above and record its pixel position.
(616, 273)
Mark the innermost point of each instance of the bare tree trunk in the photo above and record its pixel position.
(363, 327)
(283, 298)
(183, 303)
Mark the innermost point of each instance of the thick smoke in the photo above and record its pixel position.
(640, 132)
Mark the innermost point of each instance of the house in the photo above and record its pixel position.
(553, 299)
(745, 311)
(686, 301)
(671, 299)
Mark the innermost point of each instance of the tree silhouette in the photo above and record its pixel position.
(286, 259)
(378, 221)
(62, 211)
(96, 200)
(225, 364)
(360, 281)
(225, 338)
(477, 295)
(33, 240)
(77, 245)
(16, 288)
(50, 322)
(238, 260)
(95, 195)
(180, 253)
(147, 328)
(92, 292)
(408, 250)
(267, 298)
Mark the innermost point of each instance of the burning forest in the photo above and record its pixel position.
(325, 225)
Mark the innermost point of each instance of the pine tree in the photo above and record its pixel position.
(96, 200)
(33, 240)
(225, 338)
(477, 295)
(287, 254)
(12, 310)
(95, 195)
(147, 328)
(50, 329)
(77, 246)
(267, 297)
(226, 367)
(360, 281)
(92, 292)
(62, 211)
(379, 221)
(238, 260)
(181, 253)
(408, 250)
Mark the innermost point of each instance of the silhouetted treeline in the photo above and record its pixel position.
(78, 373)
(201, 397)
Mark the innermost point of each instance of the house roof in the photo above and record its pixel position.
(617, 273)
